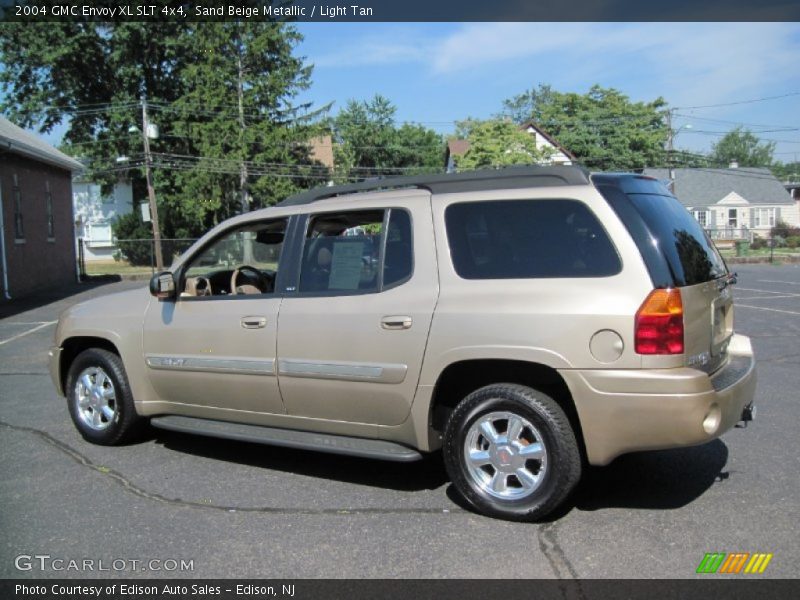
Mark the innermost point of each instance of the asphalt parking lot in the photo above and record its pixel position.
(242, 510)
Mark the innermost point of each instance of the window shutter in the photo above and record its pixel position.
(713, 218)
(752, 217)
(777, 214)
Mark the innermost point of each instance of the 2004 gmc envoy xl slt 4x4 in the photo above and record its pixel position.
(525, 321)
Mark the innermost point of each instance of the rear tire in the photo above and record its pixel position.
(511, 452)
(99, 398)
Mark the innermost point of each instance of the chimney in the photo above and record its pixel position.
(734, 164)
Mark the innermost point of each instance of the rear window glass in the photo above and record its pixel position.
(690, 254)
(519, 239)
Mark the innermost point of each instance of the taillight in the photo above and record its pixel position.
(659, 323)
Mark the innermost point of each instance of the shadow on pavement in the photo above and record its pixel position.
(663, 479)
(15, 306)
(427, 474)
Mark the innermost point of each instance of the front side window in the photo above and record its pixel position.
(244, 261)
(356, 252)
(521, 239)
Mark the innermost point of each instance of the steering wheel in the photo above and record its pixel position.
(261, 282)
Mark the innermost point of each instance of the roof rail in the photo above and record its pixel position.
(470, 181)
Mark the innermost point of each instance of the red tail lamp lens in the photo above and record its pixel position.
(659, 323)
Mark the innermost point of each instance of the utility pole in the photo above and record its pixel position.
(243, 174)
(151, 192)
(670, 136)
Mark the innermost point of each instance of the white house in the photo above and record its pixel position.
(734, 203)
(559, 155)
(94, 214)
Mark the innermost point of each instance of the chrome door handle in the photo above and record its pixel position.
(396, 322)
(254, 322)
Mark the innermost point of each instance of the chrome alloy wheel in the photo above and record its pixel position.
(505, 455)
(96, 398)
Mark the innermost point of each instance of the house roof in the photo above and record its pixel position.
(555, 143)
(460, 147)
(704, 187)
(457, 147)
(17, 140)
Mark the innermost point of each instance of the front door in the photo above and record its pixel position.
(214, 346)
(352, 339)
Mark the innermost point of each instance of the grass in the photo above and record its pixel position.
(113, 267)
(778, 252)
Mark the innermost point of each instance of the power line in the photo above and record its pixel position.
(751, 101)
(710, 120)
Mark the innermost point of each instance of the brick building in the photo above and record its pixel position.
(37, 244)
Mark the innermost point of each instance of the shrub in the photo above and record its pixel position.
(758, 243)
(793, 241)
(784, 230)
(131, 227)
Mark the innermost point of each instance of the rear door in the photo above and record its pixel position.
(352, 338)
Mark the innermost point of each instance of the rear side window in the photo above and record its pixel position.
(521, 239)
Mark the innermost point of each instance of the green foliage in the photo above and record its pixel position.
(789, 172)
(131, 227)
(603, 128)
(221, 90)
(370, 144)
(758, 243)
(742, 146)
(793, 241)
(784, 230)
(498, 143)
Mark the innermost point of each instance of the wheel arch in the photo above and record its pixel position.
(460, 378)
(73, 346)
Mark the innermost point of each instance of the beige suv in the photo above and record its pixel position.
(526, 321)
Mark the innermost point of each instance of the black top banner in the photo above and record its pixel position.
(399, 10)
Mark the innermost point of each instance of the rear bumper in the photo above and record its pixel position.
(629, 410)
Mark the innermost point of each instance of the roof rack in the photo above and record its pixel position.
(471, 181)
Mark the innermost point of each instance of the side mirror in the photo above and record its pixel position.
(162, 286)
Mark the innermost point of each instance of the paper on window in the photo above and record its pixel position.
(346, 266)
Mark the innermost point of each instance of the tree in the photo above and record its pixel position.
(603, 128)
(742, 146)
(789, 172)
(219, 90)
(497, 143)
(368, 142)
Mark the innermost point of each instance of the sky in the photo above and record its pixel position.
(438, 73)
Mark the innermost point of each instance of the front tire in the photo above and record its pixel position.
(511, 452)
(99, 398)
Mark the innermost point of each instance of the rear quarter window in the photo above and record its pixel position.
(674, 246)
(691, 256)
(523, 239)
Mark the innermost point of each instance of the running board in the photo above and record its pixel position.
(289, 438)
